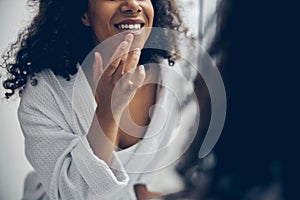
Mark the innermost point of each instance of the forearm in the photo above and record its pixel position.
(102, 135)
(69, 168)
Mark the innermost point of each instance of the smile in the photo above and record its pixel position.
(132, 27)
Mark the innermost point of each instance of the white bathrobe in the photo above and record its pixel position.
(55, 116)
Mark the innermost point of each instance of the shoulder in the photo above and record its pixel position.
(38, 86)
(52, 92)
(43, 90)
(46, 102)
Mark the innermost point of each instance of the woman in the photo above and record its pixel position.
(77, 150)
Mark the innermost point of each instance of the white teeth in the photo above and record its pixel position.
(129, 26)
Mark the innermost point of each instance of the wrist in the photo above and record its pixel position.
(106, 116)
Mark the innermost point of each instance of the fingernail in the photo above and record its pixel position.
(129, 37)
(137, 51)
(141, 68)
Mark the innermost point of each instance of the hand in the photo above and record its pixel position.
(116, 84)
(142, 193)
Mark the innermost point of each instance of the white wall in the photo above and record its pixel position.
(13, 164)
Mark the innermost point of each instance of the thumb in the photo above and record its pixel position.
(97, 68)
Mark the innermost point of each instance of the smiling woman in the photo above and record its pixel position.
(79, 153)
(59, 35)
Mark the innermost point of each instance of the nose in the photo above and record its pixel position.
(131, 7)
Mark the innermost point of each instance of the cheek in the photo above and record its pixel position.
(100, 25)
(148, 10)
(98, 18)
(151, 15)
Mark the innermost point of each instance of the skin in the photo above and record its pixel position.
(121, 75)
(103, 15)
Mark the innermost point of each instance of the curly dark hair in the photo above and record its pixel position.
(54, 40)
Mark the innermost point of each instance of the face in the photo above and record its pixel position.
(110, 17)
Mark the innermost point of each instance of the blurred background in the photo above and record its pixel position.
(14, 166)
(256, 157)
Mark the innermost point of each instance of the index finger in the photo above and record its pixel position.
(121, 50)
(120, 53)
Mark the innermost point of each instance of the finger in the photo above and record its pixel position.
(138, 77)
(122, 53)
(97, 67)
(129, 38)
(115, 60)
(125, 81)
(131, 66)
(120, 71)
(133, 60)
(129, 57)
(132, 80)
